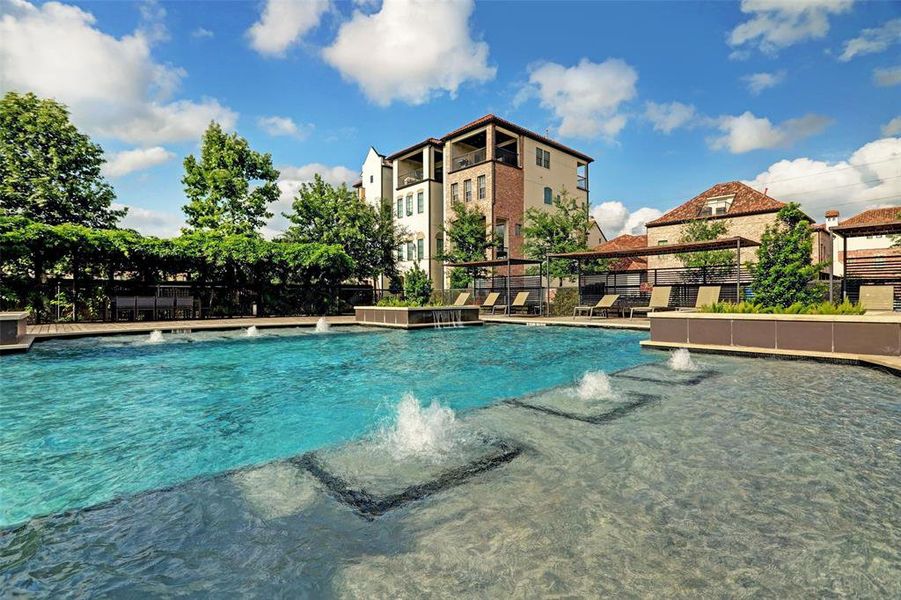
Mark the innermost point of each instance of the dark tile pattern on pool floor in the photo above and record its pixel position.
(672, 377)
(634, 401)
(369, 505)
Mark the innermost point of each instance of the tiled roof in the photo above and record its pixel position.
(746, 201)
(518, 129)
(625, 242)
(874, 216)
(431, 140)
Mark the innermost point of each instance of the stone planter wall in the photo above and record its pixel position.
(417, 318)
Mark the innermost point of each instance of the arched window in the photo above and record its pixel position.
(548, 196)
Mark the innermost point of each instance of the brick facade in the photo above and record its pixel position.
(508, 194)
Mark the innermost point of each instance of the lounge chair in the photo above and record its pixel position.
(707, 296)
(461, 299)
(490, 302)
(604, 304)
(877, 298)
(659, 301)
(519, 303)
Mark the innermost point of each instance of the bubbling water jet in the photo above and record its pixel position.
(322, 325)
(681, 360)
(252, 331)
(594, 385)
(156, 337)
(430, 431)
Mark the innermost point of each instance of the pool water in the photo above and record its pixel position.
(84, 421)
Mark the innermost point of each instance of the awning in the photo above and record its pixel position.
(721, 244)
(885, 228)
(498, 262)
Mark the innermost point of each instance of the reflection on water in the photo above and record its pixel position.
(775, 479)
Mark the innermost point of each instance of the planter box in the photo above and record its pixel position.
(12, 327)
(417, 318)
(847, 334)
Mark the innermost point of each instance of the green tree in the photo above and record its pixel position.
(784, 270)
(417, 285)
(563, 229)
(231, 187)
(709, 265)
(466, 239)
(50, 171)
(328, 214)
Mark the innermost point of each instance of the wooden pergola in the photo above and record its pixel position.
(502, 262)
(731, 243)
(856, 231)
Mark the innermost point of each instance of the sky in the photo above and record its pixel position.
(802, 98)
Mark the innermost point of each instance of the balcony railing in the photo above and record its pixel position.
(410, 177)
(582, 182)
(508, 157)
(470, 158)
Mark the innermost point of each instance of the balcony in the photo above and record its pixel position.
(508, 157)
(409, 177)
(582, 182)
(467, 160)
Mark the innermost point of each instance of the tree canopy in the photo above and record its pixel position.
(709, 265)
(785, 270)
(231, 186)
(466, 239)
(563, 229)
(324, 213)
(50, 171)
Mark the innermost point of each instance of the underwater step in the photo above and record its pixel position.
(594, 413)
(373, 483)
(658, 373)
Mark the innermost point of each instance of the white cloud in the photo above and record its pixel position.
(289, 182)
(615, 219)
(586, 98)
(891, 128)
(667, 117)
(888, 76)
(870, 177)
(129, 161)
(285, 126)
(871, 41)
(757, 82)
(202, 33)
(112, 86)
(746, 132)
(151, 222)
(777, 24)
(284, 23)
(410, 50)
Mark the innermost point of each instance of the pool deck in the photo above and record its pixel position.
(637, 324)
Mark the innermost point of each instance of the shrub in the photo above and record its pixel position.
(564, 302)
(394, 301)
(797, 308)
(417, 286)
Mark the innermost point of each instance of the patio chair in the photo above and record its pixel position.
(604, 304)
(461, 299)
(659, 301)
(707, 296)
(519, 303)
(877, 298)
(490, 302)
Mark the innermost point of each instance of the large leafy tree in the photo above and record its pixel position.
(563, 229)
(230, 187)
(328, 214)
(466, 239)
(784, 269)
(50, 171)
(712, 264)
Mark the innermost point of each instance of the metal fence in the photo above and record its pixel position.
(872, 270)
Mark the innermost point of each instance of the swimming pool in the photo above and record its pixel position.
(744, 477)
(84, 421)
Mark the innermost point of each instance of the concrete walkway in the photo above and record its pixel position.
(638, 323)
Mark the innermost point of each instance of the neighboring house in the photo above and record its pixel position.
(376, 178)
(505, 169)
(630, 272)
(418, 196)
(595, 234)
(871, 246)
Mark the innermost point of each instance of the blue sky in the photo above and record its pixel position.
(669, 98)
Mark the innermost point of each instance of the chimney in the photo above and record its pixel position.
(831, 218)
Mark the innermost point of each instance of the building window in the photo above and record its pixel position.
(439, 245)
(371, 178)
(420, 248)
(518, 230)
(480, 182)
(411, 251)
(455, 192)
(548, 196)
(420, 202)
(399, 253)
(467, 190)
(662, 242)
(409, 204)
(400, 207)
(717, 206)
(542, 158)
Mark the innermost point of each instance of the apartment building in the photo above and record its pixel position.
(504, 170)
(418, 196)
(376, 178)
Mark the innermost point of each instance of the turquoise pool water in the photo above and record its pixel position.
(84, 421)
